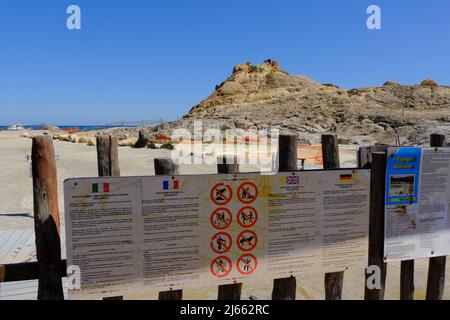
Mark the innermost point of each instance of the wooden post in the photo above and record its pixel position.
(437, 140)
(285, 289)
(46, 218)
(229, 165)
(436, 265)
(330, 151)
(407, 280)
(330, 155)
(365, 155)
(108, 166)
(165, 166)
(287, 153)
(25, 271)
(142, 141)
(2, 273)
(171, 295)
(376, 223)
(107, 156)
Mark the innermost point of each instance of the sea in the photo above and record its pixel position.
(79, 127)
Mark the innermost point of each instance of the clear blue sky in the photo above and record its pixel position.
(145, 59)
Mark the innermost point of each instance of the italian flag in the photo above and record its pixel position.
(100, 187)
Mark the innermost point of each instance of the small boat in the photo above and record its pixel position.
(15, 127)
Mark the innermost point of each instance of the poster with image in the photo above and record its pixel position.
(417, 223)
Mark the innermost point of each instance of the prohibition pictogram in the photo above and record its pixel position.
(247, 240)
(220, 242)
(221, 194)
(220, 266)
(247, 192)
(247, 264)
(247, 217)
(221, 218)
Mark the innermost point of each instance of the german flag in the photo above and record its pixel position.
(346, 177)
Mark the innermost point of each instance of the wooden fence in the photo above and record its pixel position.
(50, 268)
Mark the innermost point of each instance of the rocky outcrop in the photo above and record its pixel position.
(51, 128)
(264, 96)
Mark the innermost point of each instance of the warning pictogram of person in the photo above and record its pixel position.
(247, 217)
(247, 192)
(247, 264)
(220, 266)
(221, 242)
(221, 194)
(221, 218)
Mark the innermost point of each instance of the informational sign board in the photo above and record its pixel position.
(132, 234)
(417, 223)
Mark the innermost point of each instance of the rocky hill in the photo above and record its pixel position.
(264, 96)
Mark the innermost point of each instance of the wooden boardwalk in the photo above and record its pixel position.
(17, 246)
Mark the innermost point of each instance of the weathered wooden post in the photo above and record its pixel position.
(107, 156)
(436, 265)
(330, 155)
(233, 291)
(285, 289)
(407, 280)
(364, 156)
(165, 166)
(46, 219)
(142, 141)
(376, 224)
(108, 165)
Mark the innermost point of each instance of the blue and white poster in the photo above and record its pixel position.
(402, 176)
(417, 215)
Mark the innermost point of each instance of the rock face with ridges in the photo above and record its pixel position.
(264, 96)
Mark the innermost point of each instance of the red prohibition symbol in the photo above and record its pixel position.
(247, 217)
(221, 218)
(247, 240)
(247, 192)
(220, 242)
(247, 264)
(221, 194)
(220, 267)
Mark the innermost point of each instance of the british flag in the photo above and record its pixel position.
(293, 180)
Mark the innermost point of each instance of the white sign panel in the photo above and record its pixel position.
(417, 223)
(130, 234)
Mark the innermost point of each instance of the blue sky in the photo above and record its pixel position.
(146, 59)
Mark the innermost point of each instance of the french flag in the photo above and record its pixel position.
(171, 185)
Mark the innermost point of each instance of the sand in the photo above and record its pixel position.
(79, 160)
(73, 160)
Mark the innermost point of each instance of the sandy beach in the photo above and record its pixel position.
(73, 160)
(79, 160)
